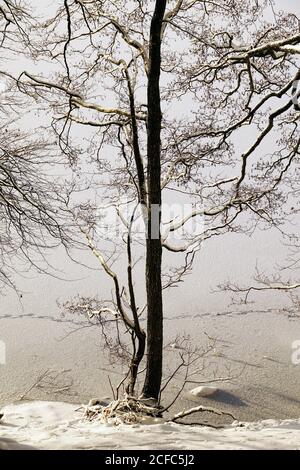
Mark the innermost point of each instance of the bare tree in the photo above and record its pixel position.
(30, 198)
(179, 98)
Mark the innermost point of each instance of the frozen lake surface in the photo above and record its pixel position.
(254, 351)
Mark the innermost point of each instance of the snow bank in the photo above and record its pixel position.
(53, 425)
(204, 391)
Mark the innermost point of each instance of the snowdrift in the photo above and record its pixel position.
(55, 425)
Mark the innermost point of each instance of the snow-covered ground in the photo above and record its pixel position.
(57, 425)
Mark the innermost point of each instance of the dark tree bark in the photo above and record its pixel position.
(153, 244)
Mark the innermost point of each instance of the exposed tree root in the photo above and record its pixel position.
(197, 409)
(128, 410)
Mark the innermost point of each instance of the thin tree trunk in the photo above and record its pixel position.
(153, 244)
(137, 332)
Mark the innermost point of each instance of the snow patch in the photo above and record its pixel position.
(204, 391)
(55, 425)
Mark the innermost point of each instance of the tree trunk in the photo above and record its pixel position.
(153, 243)
(135, 362)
